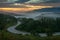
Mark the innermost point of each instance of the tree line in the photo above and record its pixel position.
(43, 25)
(6, 21)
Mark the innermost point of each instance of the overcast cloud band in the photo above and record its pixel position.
(33, 1)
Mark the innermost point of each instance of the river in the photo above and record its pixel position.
(13, 30)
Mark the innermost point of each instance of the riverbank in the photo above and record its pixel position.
(13, 29)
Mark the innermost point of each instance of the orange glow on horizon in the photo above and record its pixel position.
(29, 8)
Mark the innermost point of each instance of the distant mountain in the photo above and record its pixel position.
(54, 9)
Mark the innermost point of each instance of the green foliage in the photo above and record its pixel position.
(43, 25)
(4, 35)
(30, 25)
(6, 20)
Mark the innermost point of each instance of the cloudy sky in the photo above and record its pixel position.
(31, 7)
(38, 1)
(35, 1)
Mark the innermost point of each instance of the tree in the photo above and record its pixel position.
(48, 25)
(43, 25)
(6, 20)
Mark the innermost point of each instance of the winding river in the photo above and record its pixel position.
(13, 30)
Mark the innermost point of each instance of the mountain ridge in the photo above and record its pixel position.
(53, 9)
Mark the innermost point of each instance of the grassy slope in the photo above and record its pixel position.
(4, 35)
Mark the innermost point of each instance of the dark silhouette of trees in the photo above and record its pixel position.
(6, 20)
(43, 25)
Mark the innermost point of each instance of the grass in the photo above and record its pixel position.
(4, 35)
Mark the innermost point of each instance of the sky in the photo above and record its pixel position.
(39, 1)
(34, 1)
(32, 7)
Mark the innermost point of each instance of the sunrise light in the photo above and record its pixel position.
(28, 8)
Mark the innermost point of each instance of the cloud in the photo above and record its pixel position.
(28, 1)
(39, 1)
(53, 1)
(33, 1)
(22, 1)
(11, 0)
(18, 1)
